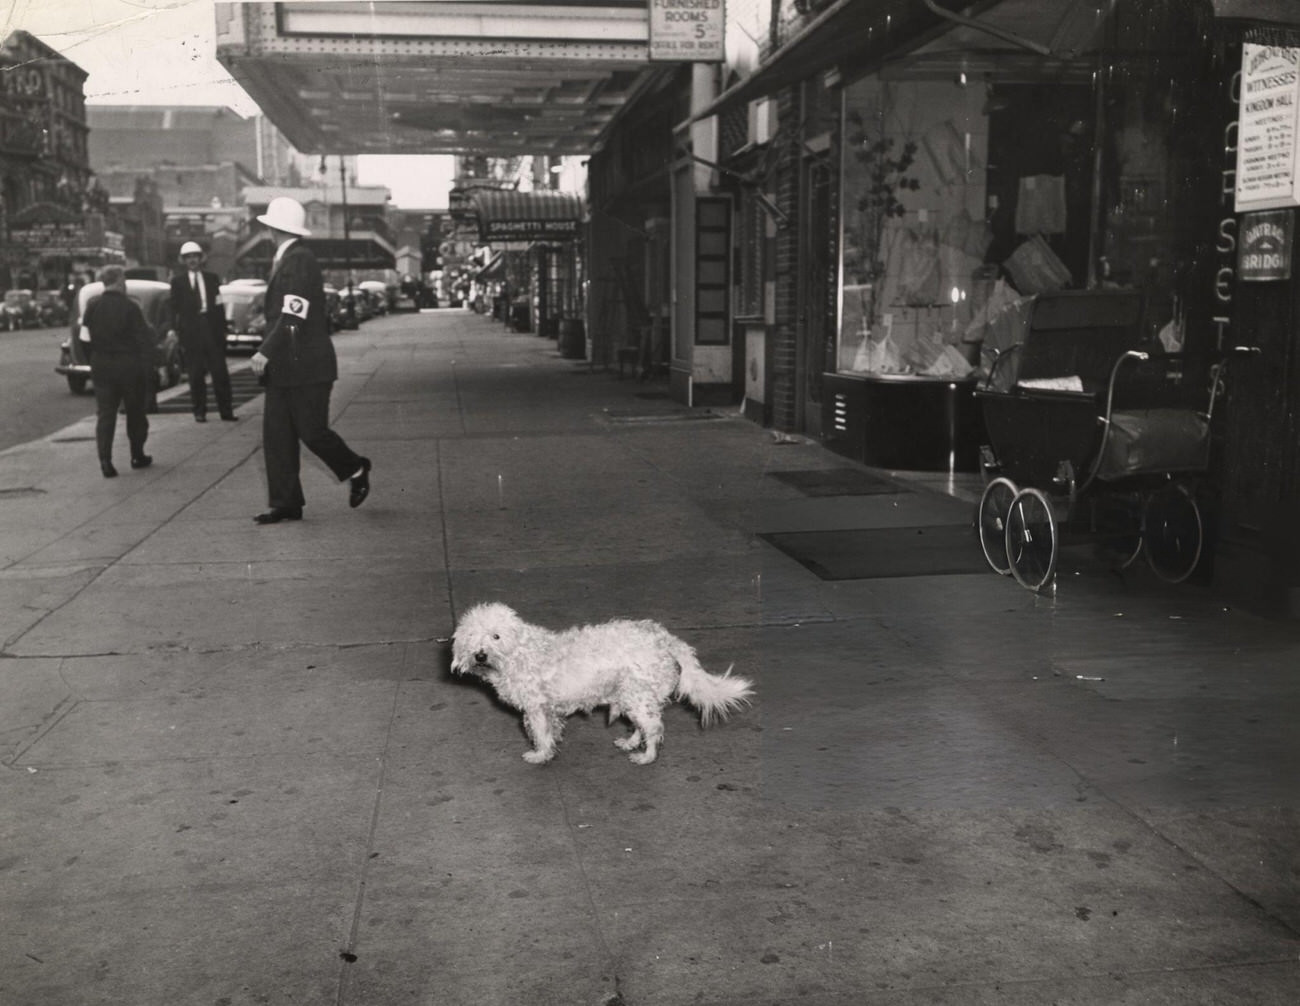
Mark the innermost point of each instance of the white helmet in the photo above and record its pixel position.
(191, 248)
(285, 214)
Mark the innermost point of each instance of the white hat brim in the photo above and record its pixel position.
(280, 225)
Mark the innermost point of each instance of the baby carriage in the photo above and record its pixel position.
(1094, 435)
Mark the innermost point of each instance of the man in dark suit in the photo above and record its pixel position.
(121, 347)
(200, 319)
(296, 362)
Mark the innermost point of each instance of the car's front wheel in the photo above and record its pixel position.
(77, 383)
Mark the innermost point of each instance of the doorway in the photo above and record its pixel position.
(816, 339)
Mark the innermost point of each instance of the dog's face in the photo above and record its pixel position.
(485, 637)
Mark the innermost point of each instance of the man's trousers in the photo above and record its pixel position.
(206, 354)
(120, 381)
(294, 415)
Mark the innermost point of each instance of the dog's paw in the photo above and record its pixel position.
(538, 757)
(628, 743)
(643, 757)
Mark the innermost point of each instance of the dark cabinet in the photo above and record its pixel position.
(903, 422)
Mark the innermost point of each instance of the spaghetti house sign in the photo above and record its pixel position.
(505, 215)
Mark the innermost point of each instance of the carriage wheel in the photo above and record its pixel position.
(994, 505)
(1173, 533)
(1119, 527)
(1031, 539)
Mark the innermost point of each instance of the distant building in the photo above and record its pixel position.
(418, 235)
(53, 218)
(200, 159)
(349, 229)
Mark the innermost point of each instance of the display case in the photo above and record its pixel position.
(904, 422)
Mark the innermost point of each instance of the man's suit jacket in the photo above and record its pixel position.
(297, 346)
(118, 331)
(186, 307)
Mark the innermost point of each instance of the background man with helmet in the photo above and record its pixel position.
(200, 320)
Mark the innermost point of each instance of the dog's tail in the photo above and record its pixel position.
(714, 695)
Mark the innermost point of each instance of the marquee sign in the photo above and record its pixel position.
(687, 30)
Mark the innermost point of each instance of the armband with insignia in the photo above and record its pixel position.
(295, 306)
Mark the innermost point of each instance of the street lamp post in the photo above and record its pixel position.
(349, 304)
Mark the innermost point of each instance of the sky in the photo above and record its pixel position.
(163, 52)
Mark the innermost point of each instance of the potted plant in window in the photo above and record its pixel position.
(882, 176)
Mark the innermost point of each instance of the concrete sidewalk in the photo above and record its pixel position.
(236, 769)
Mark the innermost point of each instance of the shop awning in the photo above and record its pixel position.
(1018, 40)
(506, 215)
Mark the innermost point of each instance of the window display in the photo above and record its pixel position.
(914, 235)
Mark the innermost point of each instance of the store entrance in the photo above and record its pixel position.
(816, 312)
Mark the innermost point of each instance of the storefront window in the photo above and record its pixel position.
(912, 170)
(962, 200)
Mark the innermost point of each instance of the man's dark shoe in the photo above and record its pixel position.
(107, 468)
(230, 418)
(360, 485)
(279, 513)
(199, 417)
(142, 461)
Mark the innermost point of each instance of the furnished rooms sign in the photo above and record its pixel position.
(687, 30)
(1268, 141)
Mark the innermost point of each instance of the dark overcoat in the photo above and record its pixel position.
(297, 346)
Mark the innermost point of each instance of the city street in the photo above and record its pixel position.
(34, 400)
(237, 768)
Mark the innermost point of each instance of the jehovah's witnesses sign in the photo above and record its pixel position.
(1267, 134)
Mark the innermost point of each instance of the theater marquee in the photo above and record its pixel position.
(687, 30)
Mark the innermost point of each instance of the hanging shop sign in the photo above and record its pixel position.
(66, 239)
(1264, 246)
(529, 230)
(1267, 135)
(687, 30)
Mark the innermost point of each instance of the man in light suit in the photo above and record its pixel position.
(200, 320)
(296, 362)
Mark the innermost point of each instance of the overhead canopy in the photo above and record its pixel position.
(1023, 40)
(1044, 38)
(430, 76)
(1273, 11)
(506, 215)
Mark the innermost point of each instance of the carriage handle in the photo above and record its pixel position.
(1137, 354)
(1216, 375)
(1132, 354)
(998, 356)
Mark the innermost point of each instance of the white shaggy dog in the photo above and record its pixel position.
(631, 667)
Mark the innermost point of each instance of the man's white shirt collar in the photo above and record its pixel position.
(279, 252)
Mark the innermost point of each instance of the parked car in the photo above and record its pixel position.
(362, 308)
(245, 301)
(154, 300)
(20, 310)
(52, 307)
(337, 307)
(377, 292)
(338, 315)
